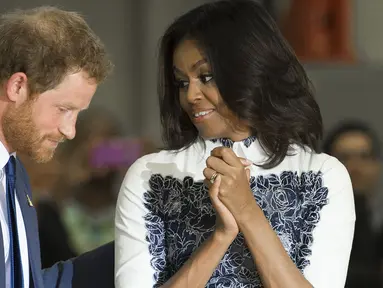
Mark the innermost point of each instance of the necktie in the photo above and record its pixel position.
(14, 251)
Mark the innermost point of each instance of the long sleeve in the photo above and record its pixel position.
(99, 263)
(59, 275)
(92, 269)
(333, 235)
(139, 256)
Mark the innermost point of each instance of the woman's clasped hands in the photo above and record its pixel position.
(227, 176)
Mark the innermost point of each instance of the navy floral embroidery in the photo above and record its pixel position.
(181, 218)
(226, 142)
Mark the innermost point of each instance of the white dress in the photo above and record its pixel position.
(164, 213)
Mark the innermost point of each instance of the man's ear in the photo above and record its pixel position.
(16, 87)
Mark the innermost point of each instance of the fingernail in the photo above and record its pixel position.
(248, 162)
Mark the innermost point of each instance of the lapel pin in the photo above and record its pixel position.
(29, 201)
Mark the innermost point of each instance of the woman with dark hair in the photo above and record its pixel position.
(239, 197)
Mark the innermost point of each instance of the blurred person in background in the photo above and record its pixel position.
(89, 204)
(357, 146)
(77, 213)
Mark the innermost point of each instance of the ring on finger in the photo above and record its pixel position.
(213, 177)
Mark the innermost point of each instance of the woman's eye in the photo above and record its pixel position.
(206, 78)
(182, 84)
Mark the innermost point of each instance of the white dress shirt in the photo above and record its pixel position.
(4, 157)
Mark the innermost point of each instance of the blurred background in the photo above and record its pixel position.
(340, 43)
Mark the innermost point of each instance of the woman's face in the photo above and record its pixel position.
(199, 95)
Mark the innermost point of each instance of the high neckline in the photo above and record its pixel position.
(226, 142)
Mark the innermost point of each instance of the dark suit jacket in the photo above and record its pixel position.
(95, 269)
(60, 275)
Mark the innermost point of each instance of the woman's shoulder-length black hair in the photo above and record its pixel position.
(256, 72)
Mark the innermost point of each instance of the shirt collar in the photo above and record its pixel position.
(4, 155)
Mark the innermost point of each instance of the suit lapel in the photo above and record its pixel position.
(30, 223)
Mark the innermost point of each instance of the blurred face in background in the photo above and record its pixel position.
(355, 150)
